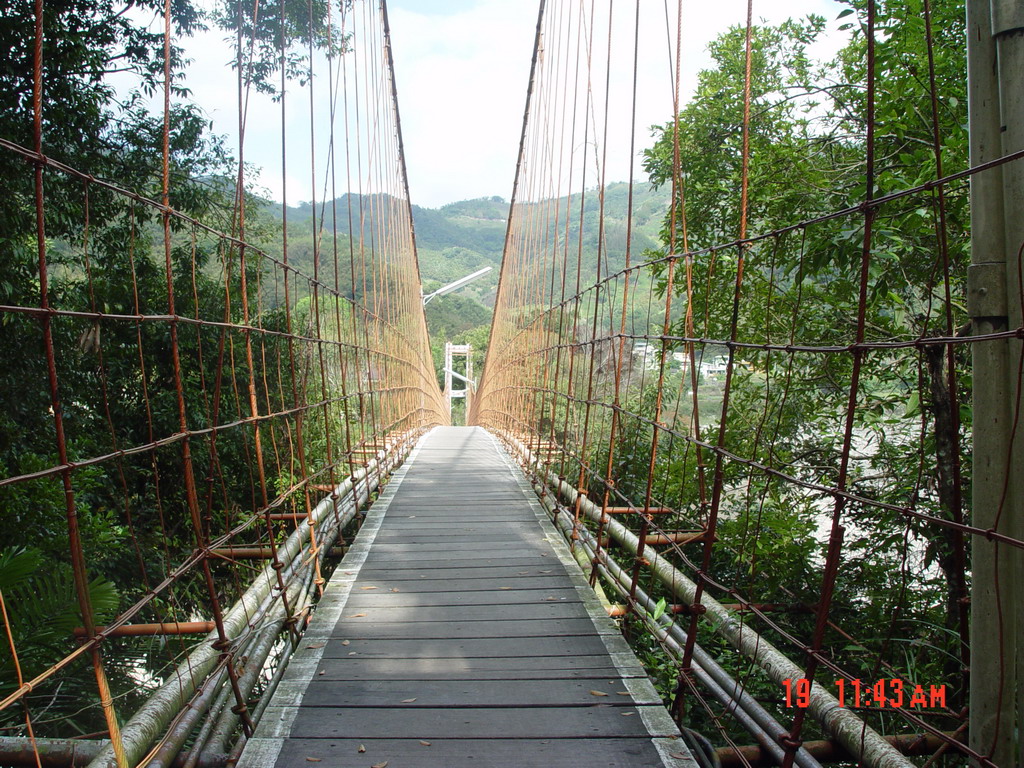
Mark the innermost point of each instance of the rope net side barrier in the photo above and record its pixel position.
(204, 386)
(776, 410)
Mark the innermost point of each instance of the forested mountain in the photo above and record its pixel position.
(464, 236)
(467, 235)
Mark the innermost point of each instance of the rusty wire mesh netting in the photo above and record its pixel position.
(755, 424)
(208, 405)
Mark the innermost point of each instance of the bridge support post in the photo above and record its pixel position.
(466, 393)
(995, 32)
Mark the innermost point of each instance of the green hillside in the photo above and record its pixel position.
(462, 237)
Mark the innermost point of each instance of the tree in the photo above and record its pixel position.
(104, 253)
(118, 384)
(281, 34)
(807, 149)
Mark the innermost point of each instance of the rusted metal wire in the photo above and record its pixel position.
(251, 403)
(282, 420)
(586, 339)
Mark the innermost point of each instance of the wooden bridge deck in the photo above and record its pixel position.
(458, 631)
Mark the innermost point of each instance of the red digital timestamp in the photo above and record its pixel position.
(882, 694)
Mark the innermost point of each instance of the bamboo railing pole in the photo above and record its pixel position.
(866, 744)
(152, 719)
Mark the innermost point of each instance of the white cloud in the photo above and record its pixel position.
(461, 87)
(462, 80)
(461, 69)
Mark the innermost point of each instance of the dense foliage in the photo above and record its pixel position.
(901, 583)
(104, 253)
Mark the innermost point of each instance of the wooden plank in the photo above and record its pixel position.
(456, 583)
(412, 522)
(482, 723)
(541, 610)
(474, 559)
(472, 753)
(591, 666)
(432, 565)
(462, 510)
(443, 519)
(451, 629)
(459, 694)
(476, 531)
(439, 525)
(488, 530)
(479, 504)
(450, 516)
(544, 569)
(380, 596)
(443, 481)
(433, 648)
(524, 543)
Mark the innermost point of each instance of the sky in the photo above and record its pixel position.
(461, 70)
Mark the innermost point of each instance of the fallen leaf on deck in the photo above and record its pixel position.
(368, 587)
(504, 587)
(598, 693)
(314, 759)
(424, 743)
(362, 748)
(356, 615)
(623, 693)
(316, 645)
(345, 642)
(408, 701)
(627, 714)
(380, 765)
(394, 589)
(678, 755)
(322, 672)
(353, 653)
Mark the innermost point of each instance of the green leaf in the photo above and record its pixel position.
(659, 609)
(913, 405)
(17, 566)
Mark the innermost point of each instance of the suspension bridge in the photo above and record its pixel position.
(430, 648)
(742, 483)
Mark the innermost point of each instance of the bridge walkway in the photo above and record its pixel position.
(459, 631)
